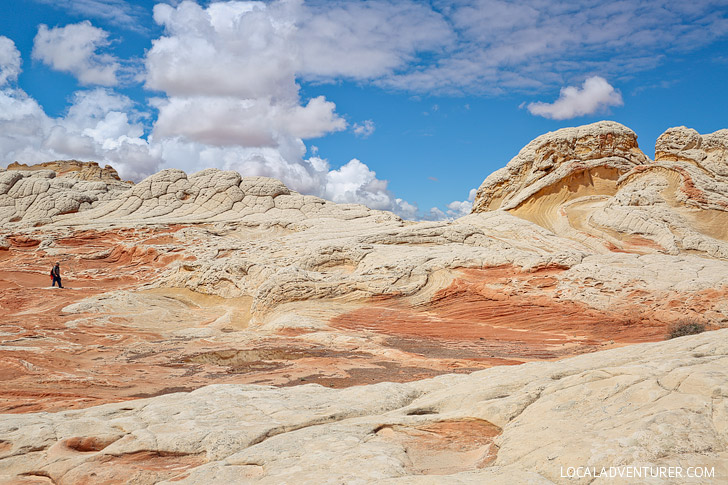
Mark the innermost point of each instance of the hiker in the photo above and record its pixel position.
(56, 275)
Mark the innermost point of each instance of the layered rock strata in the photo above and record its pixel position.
(181, 281)
(561, 165)
(593, 184)
(212, 195)
(630, 408)
(89, 171)
(332, 298)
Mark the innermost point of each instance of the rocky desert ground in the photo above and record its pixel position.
(220, 328)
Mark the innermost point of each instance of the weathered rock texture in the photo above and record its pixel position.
(212, 195)
(89, 171)
(647, 405)
(581, 244)
(593, 185)
(36, 194)
(562, 165)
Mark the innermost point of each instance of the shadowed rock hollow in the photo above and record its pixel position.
(234, 330)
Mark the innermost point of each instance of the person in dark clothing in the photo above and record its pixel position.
(56, 275)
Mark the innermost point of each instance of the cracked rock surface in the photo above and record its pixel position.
(221, 328)
(656, 404)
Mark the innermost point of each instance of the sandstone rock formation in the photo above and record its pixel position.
(212, 195)
(628, 407)
(222, 285)
(559, 166)
(682, 144)
(680, 202)
(592, 184)
(89, 171)
(36, 194)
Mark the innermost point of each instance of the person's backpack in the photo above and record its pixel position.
(52, 275)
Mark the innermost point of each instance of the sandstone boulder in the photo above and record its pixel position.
(679, 203)
(593, 185)
(682, 144)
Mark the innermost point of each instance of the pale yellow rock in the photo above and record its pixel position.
(647, 405)
(680, 202)
(212, 195)
(573, 158)
(709, 152)
(252, 237)
(34, 197)
(591, 184)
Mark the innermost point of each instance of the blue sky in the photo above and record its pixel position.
(404, 106)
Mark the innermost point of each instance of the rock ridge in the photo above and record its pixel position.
(88, 171)
(593, 184)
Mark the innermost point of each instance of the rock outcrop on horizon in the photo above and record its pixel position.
(212, 195)
(592, 184)
(34, 194)
(89, 171)
(218, 327)
(558, 166)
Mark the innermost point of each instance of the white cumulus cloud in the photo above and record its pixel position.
(99, 126)
(240, 49)
(454, 210)
(595, 94)
(74, 49)
(363, 129)
(356, 183)
(9, 61)
(256, 122)
(460, 208)
(231, 100)
(459, 46)
(255, 135)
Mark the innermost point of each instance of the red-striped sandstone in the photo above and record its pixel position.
(580, 244)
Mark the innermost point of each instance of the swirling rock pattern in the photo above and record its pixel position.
(223, 328)
(593, 184)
